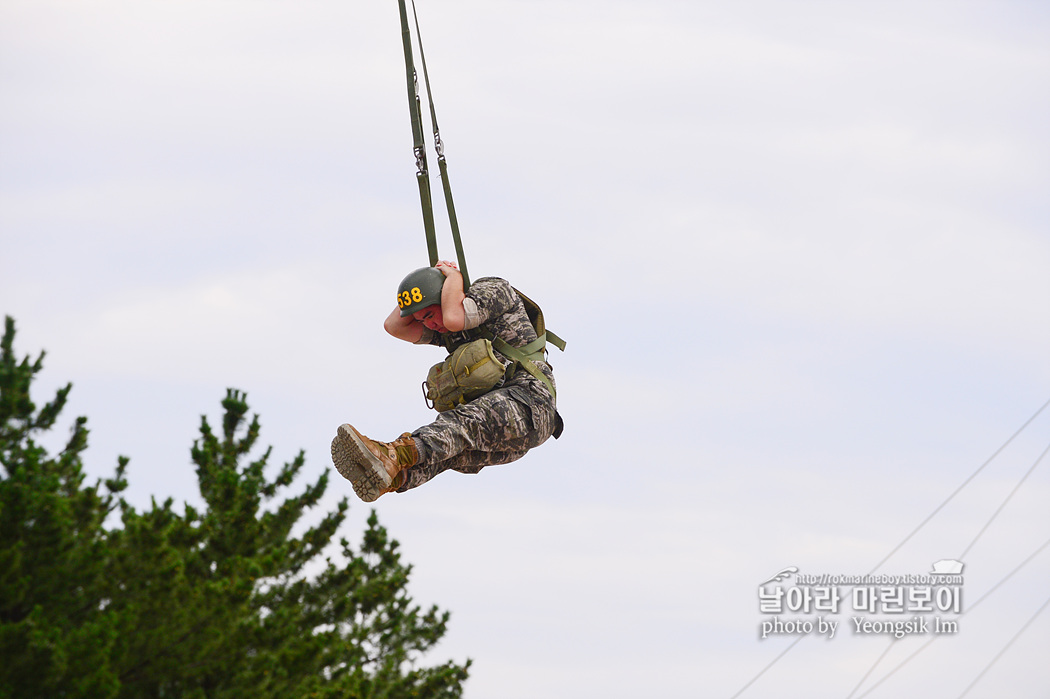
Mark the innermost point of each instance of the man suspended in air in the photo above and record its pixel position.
(495, 393)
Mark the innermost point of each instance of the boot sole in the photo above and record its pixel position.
(357, 464)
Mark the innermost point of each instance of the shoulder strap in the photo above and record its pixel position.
(527, 355)
(536, 317)
(526, 361)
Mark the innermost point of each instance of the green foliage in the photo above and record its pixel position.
(225, 602)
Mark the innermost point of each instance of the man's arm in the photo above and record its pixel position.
(408, 328)
(452, 313)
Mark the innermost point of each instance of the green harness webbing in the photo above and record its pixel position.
(530, 353)
(419, 148)
(526, 357)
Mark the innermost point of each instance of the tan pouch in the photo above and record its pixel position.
(470, 371)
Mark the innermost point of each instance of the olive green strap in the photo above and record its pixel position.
(534, 350)
(418, 145)
(422, 176)
(519, 357)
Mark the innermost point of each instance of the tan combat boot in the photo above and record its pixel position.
(372, 467)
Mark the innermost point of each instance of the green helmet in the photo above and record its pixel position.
(420, 289)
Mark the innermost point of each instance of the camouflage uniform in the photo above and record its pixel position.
(502, 425)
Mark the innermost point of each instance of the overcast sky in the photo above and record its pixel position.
(799, 251)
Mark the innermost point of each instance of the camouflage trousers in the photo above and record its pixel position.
(496, 428)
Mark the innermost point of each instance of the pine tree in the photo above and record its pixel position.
(224, 602)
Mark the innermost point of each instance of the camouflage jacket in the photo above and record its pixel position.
(492, 304)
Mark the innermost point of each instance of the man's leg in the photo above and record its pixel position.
(371, 466)
(497, 428)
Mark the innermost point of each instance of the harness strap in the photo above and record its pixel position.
(555, 340)
(418, 145)
(422, 176)
(520, 359)
(534, 350)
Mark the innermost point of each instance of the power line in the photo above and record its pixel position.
(963, 555)
(908, 538)
(872, 669)
(1005, 648)
(957, 490)
(996, 513)
(964, 613)
(771, 664)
